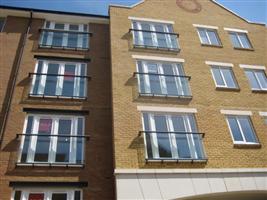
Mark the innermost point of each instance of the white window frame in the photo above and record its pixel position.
(172, 139)
(257, 79)
(53, 140)
(60, 79)
(65, 35)
(162, 79)
(48, 192)
(222, 75)
(212, 29)
(240, 129)
(239, 40)
(154, 34)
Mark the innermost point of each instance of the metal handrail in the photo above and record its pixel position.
(65, 31)
(173, 132)
(183, 76)
(160, 32)
(67, 75)
(87, 137)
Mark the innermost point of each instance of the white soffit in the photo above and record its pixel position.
(151, 20)
(205, 26)
(166, 109)
(123, 6)
(264, 114)
(219, 64)
(261, 67)
(236, 112)
(235, 30)
(156, 58)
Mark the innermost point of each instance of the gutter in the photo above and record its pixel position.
(14, 75)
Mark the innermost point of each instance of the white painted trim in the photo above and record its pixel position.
(156, 58)
(236, 112)
(150, 20)
(264, 114)
(205, 26)
(189, 171)
(261, 67)
(235, 30)
(123, 6)
(166, 109)
(221, 64)
(258, 23)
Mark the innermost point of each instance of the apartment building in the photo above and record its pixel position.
(56, 138)
(189, 101)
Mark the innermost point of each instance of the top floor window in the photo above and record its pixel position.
(240, 40)
(154, 35)
(64, 35)
(208, 36)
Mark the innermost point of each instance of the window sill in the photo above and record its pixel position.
(211, 45)
(164, 96)
(244, 49)
(162, 49)
(247, 146)
(58, 97)
(50, 165)
(227, 89)
(63, 48)
(259, 91)
(204, 160)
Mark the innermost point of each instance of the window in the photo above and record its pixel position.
(241, 130)
(53, 139)
(172, 137)
(53, 78)
(41, 194)
(240, 40)
(154, 35)
(209, 36)
(257, 79)
(64, 35)
(223, 77)
(162, 79)
(2, 23)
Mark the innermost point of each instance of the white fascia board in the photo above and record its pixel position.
(123, 6)
(235, 30)
(150, 20)
(264, 114)
(222, 64)
(261, 67)
(205, 26)
(236, 112)
(258, 23)
(156, 58)
(166, 109)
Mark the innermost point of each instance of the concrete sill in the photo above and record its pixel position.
(212, 45)
(227, 89)
(244, 49)
(259, 91)
(247, 146)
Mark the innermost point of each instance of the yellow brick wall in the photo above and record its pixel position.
(128, 147)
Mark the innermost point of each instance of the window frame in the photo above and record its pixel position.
(154, 36)
(211, 29)
(223, 78)
(256, 78)
(48, 192)
(237, 34)
(53, 140)
(60, 79)
(244, 142)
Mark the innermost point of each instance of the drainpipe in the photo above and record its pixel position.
(14, 76)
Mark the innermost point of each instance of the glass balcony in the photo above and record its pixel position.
(174, 146)
(62, 39)
(163, 85)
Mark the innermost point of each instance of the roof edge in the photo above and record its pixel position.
(54, 12)
(250, 22)
(129, 7)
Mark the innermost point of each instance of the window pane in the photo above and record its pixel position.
(51, 81)
(57, 39)
(147, 36)
(203, 36)
(79, 151)
(198, 146)
(252, 80)
(141, 77)
(244, 40)
(17, 195)
(235, 40)
(163, 138)
(82, 81)
(136, 34)
(228, 76)
(43, 142)
(36, 196)
(154, 80)
(77, 195)
(72, 40)
(213, 37)
(162, 42)
(37, 78)
(262, 79)
(68, 84)
(235, 129)
(59, 196)
(63, 143)
(147, 135)
(217, 75)
(247, 129)
(26, 140)
(170, 80)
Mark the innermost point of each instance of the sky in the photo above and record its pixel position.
(252, 10)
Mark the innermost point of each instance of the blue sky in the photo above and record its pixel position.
(253, 10)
